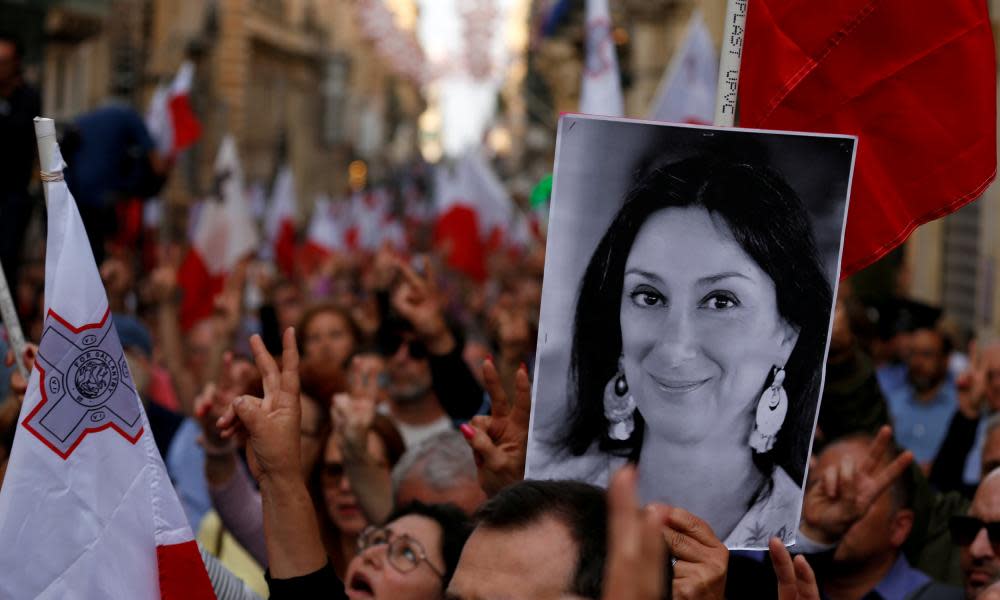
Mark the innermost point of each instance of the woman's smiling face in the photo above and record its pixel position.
(700, 327)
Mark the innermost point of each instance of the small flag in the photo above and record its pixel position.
(687, 91)
(280, 221)
(224, 235)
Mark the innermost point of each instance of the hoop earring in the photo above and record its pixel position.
(771, 410)
(619, 407)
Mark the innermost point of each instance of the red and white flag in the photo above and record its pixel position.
(170, 119)
(325, 235)
(474, 213)
(279, 222)
(87, 509)
(224, 235)
(601, 92)
(687, 91)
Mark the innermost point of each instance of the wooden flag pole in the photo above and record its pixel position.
(9, 314)
(729, 62)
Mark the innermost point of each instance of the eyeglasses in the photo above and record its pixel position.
(405, 553)
(964, 530)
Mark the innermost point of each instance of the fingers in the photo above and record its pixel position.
(265, 364)
(829, 482)
(845, 479)
(249, 411)
(521, 411)
(498, 397)
(483, 446)
(410, 276)
(289, 369)
(805, 580)
(784, 570)
(226, 375)
(636, 551)
(891, 472)
(877, 450)
(687, 523)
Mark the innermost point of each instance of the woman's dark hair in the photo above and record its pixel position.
(455, 530)
(769, 222)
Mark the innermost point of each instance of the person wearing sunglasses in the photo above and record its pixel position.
(978, 537)
(412, 557)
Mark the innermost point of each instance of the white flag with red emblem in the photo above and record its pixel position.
(601, 93)
(87, 509)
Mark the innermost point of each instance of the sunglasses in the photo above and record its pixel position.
(964, 530)
(391, 344)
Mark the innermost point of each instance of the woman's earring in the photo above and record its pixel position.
(771, 410)
(619, 407)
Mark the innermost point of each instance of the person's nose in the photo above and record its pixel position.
(375, 555)
(981, 546)
(344, 485)
(677, 342)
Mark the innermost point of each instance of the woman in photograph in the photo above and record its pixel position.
(698, 344)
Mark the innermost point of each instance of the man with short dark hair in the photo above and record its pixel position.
(536, 539)
(922, 407)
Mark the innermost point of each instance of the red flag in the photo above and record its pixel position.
(916, 81)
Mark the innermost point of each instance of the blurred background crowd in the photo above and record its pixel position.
(375, 174)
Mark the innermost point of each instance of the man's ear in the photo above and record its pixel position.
(899, 529)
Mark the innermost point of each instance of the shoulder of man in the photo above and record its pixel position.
(935, 590)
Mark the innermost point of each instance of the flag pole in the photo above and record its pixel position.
(9, 315)
(729, 62)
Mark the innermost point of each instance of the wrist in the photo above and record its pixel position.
(440, 342)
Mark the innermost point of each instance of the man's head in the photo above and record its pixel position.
(877, 537)
(406, 365)
(138, 345)
(11, 52)
(535, 539)
(979, 555)
(440, 470)
(927, 359)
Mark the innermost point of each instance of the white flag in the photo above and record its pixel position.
(601, 93)
(87, 509)
(687, 91)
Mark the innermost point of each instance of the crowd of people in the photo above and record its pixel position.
(360, 430)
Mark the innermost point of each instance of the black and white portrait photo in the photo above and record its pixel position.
(689, 284)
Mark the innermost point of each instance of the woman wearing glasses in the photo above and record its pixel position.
(412, 558)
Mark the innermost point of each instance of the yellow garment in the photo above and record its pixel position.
(230, 553)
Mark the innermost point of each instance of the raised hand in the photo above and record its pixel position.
(838, 497)
(354, 411)
(417, 300)
(272, 423)
(634, 569)
(500, 441)
(702, 560)
(971, 385)
(796, 580)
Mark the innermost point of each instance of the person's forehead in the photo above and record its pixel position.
(689, 241)
(855, 449)
(986, 503)
(421, 528)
